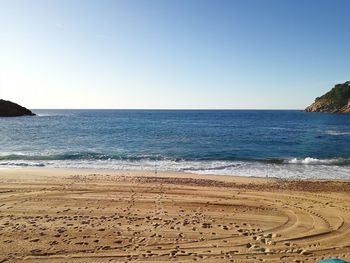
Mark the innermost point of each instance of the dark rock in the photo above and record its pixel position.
(337, 100)
(10, 109)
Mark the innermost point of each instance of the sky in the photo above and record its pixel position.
(172, 54)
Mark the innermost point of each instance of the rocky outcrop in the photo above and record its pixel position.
(337, 100)
(10, 109)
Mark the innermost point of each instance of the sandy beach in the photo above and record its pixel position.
(105, 216)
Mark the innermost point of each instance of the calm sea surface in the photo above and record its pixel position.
(238, 142)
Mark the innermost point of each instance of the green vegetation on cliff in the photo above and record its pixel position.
(336, 100)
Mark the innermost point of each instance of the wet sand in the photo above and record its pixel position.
(89, 216)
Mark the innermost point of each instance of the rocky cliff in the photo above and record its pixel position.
(336, 100)
(10, 109)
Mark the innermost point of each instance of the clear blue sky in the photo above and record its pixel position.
(274, 54)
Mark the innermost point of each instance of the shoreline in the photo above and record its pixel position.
(39, 171)
(69, 215)
(298, 170)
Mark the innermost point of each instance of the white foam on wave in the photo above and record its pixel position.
(239, 168)
(2, 154)
(308, 160)
(5, 164)
(337, 133)
(315, 161)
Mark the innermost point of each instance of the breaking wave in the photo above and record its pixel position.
(316, 161)
(336, 168)
(337, 133)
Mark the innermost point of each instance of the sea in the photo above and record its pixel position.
(262, 143)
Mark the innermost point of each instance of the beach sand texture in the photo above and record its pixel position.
(103, 216)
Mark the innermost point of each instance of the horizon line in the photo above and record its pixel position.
(173, 109)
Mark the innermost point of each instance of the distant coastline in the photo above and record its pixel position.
(11, 109)
(337, 100)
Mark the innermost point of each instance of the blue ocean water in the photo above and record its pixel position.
(229, 142)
